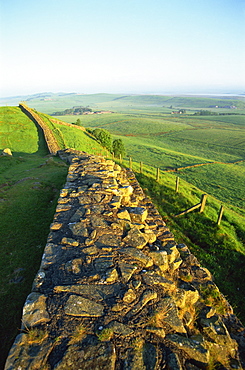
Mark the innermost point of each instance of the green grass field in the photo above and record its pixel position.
(168, 141)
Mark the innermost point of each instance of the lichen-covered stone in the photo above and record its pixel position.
(194, 350)
(70, 241)
(79, 306)
(161, 259)
(138, 214)
(135, 238)
(101, 356)
(35, 310)
(127, 270)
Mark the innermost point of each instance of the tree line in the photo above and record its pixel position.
(73, 111)
(115, 146)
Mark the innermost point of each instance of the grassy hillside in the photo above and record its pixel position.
(17, 131)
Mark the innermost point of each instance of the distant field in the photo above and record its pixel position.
(49, 103)
(169, 141)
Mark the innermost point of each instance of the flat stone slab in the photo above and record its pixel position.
(79, 306)
(135, 238)
(191, 347)
(138, 255)
(98, 292)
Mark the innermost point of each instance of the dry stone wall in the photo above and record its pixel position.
(50, 139)
(116, 291)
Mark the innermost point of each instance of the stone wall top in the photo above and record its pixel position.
(115, 290)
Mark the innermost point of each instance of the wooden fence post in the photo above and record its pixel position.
(203, 202)
(158, 174)
(141, 167)
(221, 211)
(130, 163)
(120, 158)
(113, 155)
(177, 185)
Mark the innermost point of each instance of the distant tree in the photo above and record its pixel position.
(205, 113)
(118, 148)
(78, 122)
(104, 137)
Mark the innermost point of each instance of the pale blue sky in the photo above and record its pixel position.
(133, 46)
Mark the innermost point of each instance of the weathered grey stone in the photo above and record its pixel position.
(116, 201)
(175, 264)
(172, 252)
(138, 214)
(108, 240)
(79, 229)
(84, 199)
(56, 226)
(79, 306)
(74, 266)
(50, 254)
(123, 214)
(26, 354)
(94, 357)
(135, 238)
(70, 241)
(111, 275)
(97, 221)
(95, 291)
(150, 235)
(193, 349)
(6, 152)
(168, 312)
(151, 278)
(63, 207)
(215, 330)
(147, 296)
(103, 263)
(78, 215)
(126, 190)
(120, 328)
(173, 362)
(186, 297)
(160, 258)
(91, 250)
(127, 270)
(88, 241)
(129, 296)
(35, 310)
(104, 282)
(137, 255)
(157, 331)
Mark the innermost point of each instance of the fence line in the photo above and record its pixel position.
(200, 205)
